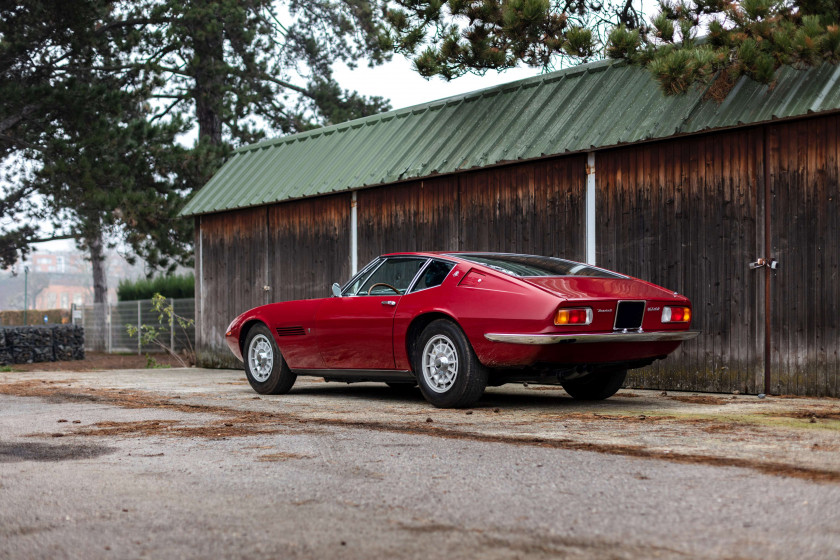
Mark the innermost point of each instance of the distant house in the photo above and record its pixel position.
(591, 163)
(63, 291)
(60, 263)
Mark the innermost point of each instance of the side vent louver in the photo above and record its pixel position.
(290, 331)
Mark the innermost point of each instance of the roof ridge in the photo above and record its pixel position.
(597, 65)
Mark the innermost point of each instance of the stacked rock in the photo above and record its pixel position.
(5, 351)
(23, 345)
(68, 342)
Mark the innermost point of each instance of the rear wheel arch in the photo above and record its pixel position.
(416, 327)
(446, 368)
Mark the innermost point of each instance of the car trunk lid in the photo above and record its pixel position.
(587, 288)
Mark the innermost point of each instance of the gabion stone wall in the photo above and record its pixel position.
(24, 345)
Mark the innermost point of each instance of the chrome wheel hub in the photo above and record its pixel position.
(440, 363)
(260, 357)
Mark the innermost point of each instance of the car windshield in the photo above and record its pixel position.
(392, 275)
(533, 265)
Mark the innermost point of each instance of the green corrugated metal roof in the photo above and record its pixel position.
(592, 106)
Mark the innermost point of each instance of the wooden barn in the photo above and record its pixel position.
(591, 163)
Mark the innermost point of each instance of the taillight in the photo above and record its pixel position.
(573, 316)
(676, 315)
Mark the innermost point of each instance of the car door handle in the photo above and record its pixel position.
(389, 302)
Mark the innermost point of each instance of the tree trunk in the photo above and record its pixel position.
(209, 77)
(209, 123)
(98, 338)
(97, 262)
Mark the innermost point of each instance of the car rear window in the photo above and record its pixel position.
(433, 275)
(533, 265)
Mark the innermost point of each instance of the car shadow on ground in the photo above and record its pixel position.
(495, 397)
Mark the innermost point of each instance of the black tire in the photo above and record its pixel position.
(595, 386)
(265, 367)
(441, 384)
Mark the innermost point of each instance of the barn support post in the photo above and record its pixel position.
(768, 247)
(267, 262)
(354, 235)
(139, 323)
(108, 310)
(172, 324)
(199, 323)
(590, 208)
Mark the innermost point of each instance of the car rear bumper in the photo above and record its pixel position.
(568, 338)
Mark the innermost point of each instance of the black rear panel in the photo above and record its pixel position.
(629, 314)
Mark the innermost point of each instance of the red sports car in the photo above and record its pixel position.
(454, 323)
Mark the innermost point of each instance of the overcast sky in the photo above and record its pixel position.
(398, 82)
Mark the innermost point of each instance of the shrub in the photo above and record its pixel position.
(178, 286)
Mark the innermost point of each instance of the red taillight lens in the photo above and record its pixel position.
(676, 315)
(573, 316)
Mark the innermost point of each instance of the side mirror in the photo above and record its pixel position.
(336, 290)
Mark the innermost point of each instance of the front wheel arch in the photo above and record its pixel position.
(244, 330)
(265, 368)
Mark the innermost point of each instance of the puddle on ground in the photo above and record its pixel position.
(32, 451)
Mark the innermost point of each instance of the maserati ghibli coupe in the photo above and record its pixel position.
(454, 323)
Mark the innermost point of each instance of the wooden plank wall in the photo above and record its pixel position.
(688, 214)
(230, 275)
(420, 215)
(682, 214)
(533, 208)
(804, 181)
(536, 208)
(309, 246)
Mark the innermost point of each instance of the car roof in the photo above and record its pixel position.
(455, 254)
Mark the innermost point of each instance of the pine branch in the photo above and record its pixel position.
(168, 109)
(292, 87)
(174, 71)
(54, 238)
(133, 22)
(13, 120)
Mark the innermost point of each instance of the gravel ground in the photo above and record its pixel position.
(192, 464)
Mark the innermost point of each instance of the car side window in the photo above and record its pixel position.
(433, 275)
(393, 277)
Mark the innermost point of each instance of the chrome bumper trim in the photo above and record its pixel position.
(661, 336)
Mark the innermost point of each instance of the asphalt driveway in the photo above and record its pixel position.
(192, 463)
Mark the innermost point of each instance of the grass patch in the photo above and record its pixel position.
(767, 419)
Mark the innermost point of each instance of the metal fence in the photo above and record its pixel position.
(106, 326)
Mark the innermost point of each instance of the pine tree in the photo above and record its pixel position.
(453, 37)
(241, 71)
(94, 94)
(685, 42)
(78, 143)
(695, 42)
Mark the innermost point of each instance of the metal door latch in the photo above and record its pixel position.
(772, 263)
(389, 302)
